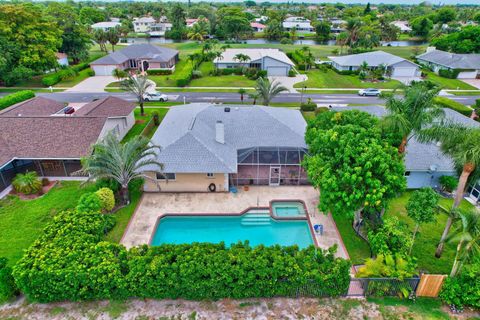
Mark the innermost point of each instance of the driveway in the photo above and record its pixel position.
(288, 82)
(406, 80)
(473, 82)
(154, 205)
(93, 84)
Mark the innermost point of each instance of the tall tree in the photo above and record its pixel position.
(101, 38)
(178, 18)
(422, 208)
(411, 113)
(113, 36)
(367, 9)
(322, 30)
(268, 90)
(460, 142)
(91, 15)
(122, 162)
(137, 85)
(274, 30)
(421, 26)
(352, 165)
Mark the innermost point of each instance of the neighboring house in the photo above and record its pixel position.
(213, 147)
(336, 24)
(424, 162)
(299, 23)
(143, 24)
(261, 19)
(150, 26)
(37, 135)
(140, 57)
(467, 64)
(191, 22)
(106, 25)
(159, 29)
(395, 66)
(274, 61)
(257, 27)
(62, 59)
(404, 26)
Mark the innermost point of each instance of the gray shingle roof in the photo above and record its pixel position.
(187, 135)
(452, 60)
(421, 156)
(228, 56)
(136, 51)
(374, 58)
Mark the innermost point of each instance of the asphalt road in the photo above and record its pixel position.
(323, 99)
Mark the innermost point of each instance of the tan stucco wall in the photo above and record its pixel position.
(187, 182)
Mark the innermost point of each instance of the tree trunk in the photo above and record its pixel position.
(462, 183)
(113, 47)
(403, 145)
(357, 217)
(142, 111)
(456, 262)
(417, 226)
(125, 195)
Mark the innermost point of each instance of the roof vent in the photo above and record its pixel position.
(227, 109)
(220, 132)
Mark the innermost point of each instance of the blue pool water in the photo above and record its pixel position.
(291, 209)
(255, 226)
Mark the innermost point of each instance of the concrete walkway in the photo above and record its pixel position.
(289, 82)
(93, 84)
(473, 82)
(154, 205)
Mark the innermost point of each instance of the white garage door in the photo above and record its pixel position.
(467, 75)
(277, 71)
(103, 70)
(404, 72)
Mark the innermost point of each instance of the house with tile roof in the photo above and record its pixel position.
(51, 137)
(141, 57)
(424, 162)
(468, 64)
(209, 147)
(274, 61)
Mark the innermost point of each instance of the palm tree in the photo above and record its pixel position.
(197, 32)
(219, 56)
(195, 58)
(242, 58)
(467, 238)
(119, 73)
(411, 113)
(122, 162)
(268, 90)
(293, 34)
(254, 96)
(461, 144)
(137, 85)
(113, 36)
(242, 91)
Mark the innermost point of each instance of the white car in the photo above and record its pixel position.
(369, 92)
(155, 96)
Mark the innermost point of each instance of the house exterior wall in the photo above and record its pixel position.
(420, 179)
(188, 182)
(120, 126)
(269, 62)
(342, 68)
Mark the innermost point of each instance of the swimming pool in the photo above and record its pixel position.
(256, 226)
(290, 209)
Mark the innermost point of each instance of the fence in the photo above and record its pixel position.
(382, 287)
(430, 285)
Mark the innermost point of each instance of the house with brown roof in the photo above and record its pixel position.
(51, 137)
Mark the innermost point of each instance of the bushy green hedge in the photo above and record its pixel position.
(185, 75)
(63, 74)
(7, 283)
(70, 262)
(454, 105)
(309, 106)
(158, 72)
(464, 289)
(16, 97)
(447, 73)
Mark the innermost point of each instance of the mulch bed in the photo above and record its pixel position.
(45, 189)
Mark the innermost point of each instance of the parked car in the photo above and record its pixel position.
(369, 92)
(155, 96)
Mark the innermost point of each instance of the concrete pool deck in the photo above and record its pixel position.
(154, 205)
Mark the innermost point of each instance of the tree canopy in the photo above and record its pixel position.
(467, 40)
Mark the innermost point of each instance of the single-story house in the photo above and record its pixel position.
(404, 26)
(468, 64)
(62, 59)
(274, 61)
(397, 66)
(41, 135)
(210, 148)
(141, 57)
(105, 25)
(424, 162)
(257, 27)
(300, 24)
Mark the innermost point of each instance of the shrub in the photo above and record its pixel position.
(321, 110)
(45, 182)
(464, 289)
(81, 66)
(17, 75)
(107, 183)
(16, 97)
(7, 282)
(292, 73)
(156, 118)
(308, 106)
(51, 80)
(261, 73)
(90, 73)
(70, 262)
(27, 183)
(454, 105)
(391, 237)
(477, 103)
(158, 72)
(196, 74)
(89, 202)
(107, 199)
(448, 183)
(286, 41)
(447, 73)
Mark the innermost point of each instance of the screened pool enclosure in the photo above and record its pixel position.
(270, 166)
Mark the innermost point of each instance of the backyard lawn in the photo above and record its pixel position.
(425, 243)
(330, 79)
(141, 121)
(21, 221)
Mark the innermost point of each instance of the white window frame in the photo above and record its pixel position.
(210, 175)
(164, 178)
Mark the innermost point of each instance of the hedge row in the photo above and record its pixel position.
(185, 75)
(454, 105)
(464, 289)
(70, 262)
(7, 283)
(450, 74)
(63, 74)
(16, 97)
(159, 72)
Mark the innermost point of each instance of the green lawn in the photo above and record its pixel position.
(141, 122)
(358, 249)
(448, 83)
(421, 308)
(331, 79)
(21, 221)
(465, 93)
(82, 75)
